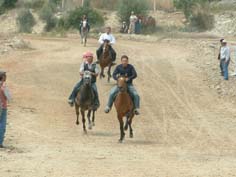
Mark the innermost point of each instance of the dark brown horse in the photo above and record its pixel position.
(105, 61)
(85, 101)
(124, 107)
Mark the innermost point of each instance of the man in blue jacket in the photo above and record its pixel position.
(128, 70)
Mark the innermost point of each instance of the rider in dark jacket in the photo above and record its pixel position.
(127, 70)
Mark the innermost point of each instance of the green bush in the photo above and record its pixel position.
(47, 14)
(105, 4)
(36, 4)
(201, 18)
(25, 21)
(125, 8)
(51, 23)
(47, 11)
(187, 5)
(6, 4)
(197, 12)
(86, 4)
(75, 16)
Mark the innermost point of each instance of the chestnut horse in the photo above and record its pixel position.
(124, 107)
(105, 61)
(85, 101)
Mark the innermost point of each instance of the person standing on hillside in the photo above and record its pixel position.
(224, 58)
(221, 63)
(4, 98)
(132, 20)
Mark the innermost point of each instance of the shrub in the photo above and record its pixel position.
(125, 8)
(47, 14)
(25, 21)
(36, 4)
(105, 4)
(201, 18)
(197, 12)
(75, 16)
(6, 4)
(47, 11)
(50, 24)
(86, 4)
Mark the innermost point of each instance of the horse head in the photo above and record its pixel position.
(121, 83)
(106, 45)
(87, 77)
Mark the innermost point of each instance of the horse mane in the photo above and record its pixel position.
(86, 93)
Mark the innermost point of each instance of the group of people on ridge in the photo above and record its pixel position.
(123, 69)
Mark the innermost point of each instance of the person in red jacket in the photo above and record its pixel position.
(4, 98)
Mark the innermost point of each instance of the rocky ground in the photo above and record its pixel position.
(7, 44)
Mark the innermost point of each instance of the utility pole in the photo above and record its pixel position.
(154, 5)
(63, 5)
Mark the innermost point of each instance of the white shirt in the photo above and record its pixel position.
(106, 36)
(84, 23)
(224, 53)
(133, 19)
(89, 66)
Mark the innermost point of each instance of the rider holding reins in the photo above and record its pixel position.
(128, 70)
(109, 37)
(87, 65)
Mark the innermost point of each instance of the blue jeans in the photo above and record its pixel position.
(3, 122)
(133, 93)
(222, 67)
(77, 87)
(75, 90)
(225, 69)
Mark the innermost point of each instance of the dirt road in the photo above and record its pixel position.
(184, 128)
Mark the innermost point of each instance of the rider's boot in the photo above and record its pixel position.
(136, 112)
(107, 109)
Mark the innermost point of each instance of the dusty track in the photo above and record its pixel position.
(183, 130)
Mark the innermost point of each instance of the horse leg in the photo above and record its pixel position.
(122, 133)
(102, 73)
(89, 121)
(109, 73)
(81, 37)
(83, 120)
(126, 123)
(85, 39)
(131, 135)
(77, 113)
(93, 118)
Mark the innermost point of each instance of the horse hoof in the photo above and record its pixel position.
(126, 128)
(93, 124)
(77, 123)
(90, 127)
(131, 135)
(121, 141)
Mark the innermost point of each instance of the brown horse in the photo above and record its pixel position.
(84, 101)
(124, 107)
(105, 61)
